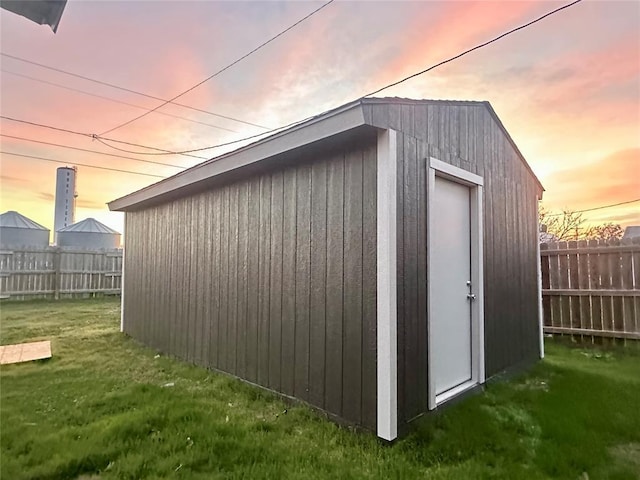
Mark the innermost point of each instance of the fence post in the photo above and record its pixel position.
(56, 273)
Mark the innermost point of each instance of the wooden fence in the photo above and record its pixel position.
(591, 289)
(54, 272)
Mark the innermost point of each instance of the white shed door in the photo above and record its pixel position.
(450, 318)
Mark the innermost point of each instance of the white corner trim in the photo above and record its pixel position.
(122, 279)
(431, 384)
(539, 272)
(456, 174)
(387, 343)
(477, 259)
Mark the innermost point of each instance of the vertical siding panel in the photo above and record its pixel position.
(253, 280)
(275, 300)
(407, 119)
(335, 261)
(171, 271)
(369, 288)
(410, 258)
(151, 290)
(420, 120)
(422, 156)
(216, 274)
(164, 287)
(232, 317)
(352, 367)
(264, 248)
(317, 282)
(178, 274)
(208, 271)
(197, 239)
(303, 228)
(243, 231)
(223, 319)
(288, 283)
(187, 291)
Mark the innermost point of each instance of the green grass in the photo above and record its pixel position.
(102, 408)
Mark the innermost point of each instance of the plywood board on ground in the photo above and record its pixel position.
(25, 352)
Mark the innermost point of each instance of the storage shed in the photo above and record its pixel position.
(88, 233)
(16, 230)
(375, 261)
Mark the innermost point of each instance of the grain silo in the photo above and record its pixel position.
(65, 202)
(17, 230)
(88, 233)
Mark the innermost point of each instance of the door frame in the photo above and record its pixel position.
(437, 168)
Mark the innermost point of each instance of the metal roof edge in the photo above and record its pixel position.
(493, 113)
(326, 124)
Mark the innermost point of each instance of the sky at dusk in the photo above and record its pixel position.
(567, 89)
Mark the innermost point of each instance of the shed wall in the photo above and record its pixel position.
(468, 137)
(271, 278)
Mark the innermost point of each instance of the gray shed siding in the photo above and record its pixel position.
(466, 136)
(271, 278)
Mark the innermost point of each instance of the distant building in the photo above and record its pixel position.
(88, 233)
(16, 230)
(65, 202)
(631, 233)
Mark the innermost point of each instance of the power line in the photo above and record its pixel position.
(80, 164)
(552, 12)
(124, 89)
(89, 151)
(185, 152)
(596, 208)
(222, 69)
(95, 137)
(113, 99)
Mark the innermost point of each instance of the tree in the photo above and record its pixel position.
(570, 225)
(606, 231)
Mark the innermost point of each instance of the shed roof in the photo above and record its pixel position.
(347, 117)
(13, 219)
(89, 225)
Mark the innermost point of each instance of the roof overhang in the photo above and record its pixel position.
(329, 124)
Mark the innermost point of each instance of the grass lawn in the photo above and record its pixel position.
(106, 407)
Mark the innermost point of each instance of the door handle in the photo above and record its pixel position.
(471, 296)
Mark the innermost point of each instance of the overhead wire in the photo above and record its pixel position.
(90, 151)
(274, 130)
(124, 89)
(602, 207)
(484, 44)
(95, 137)
(235, 62)
(80, 164)
(46, 82)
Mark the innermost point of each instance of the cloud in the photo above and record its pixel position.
(611, 179)
(49, 197)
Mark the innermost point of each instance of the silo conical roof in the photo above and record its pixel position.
(89, 225)
(13, 219)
